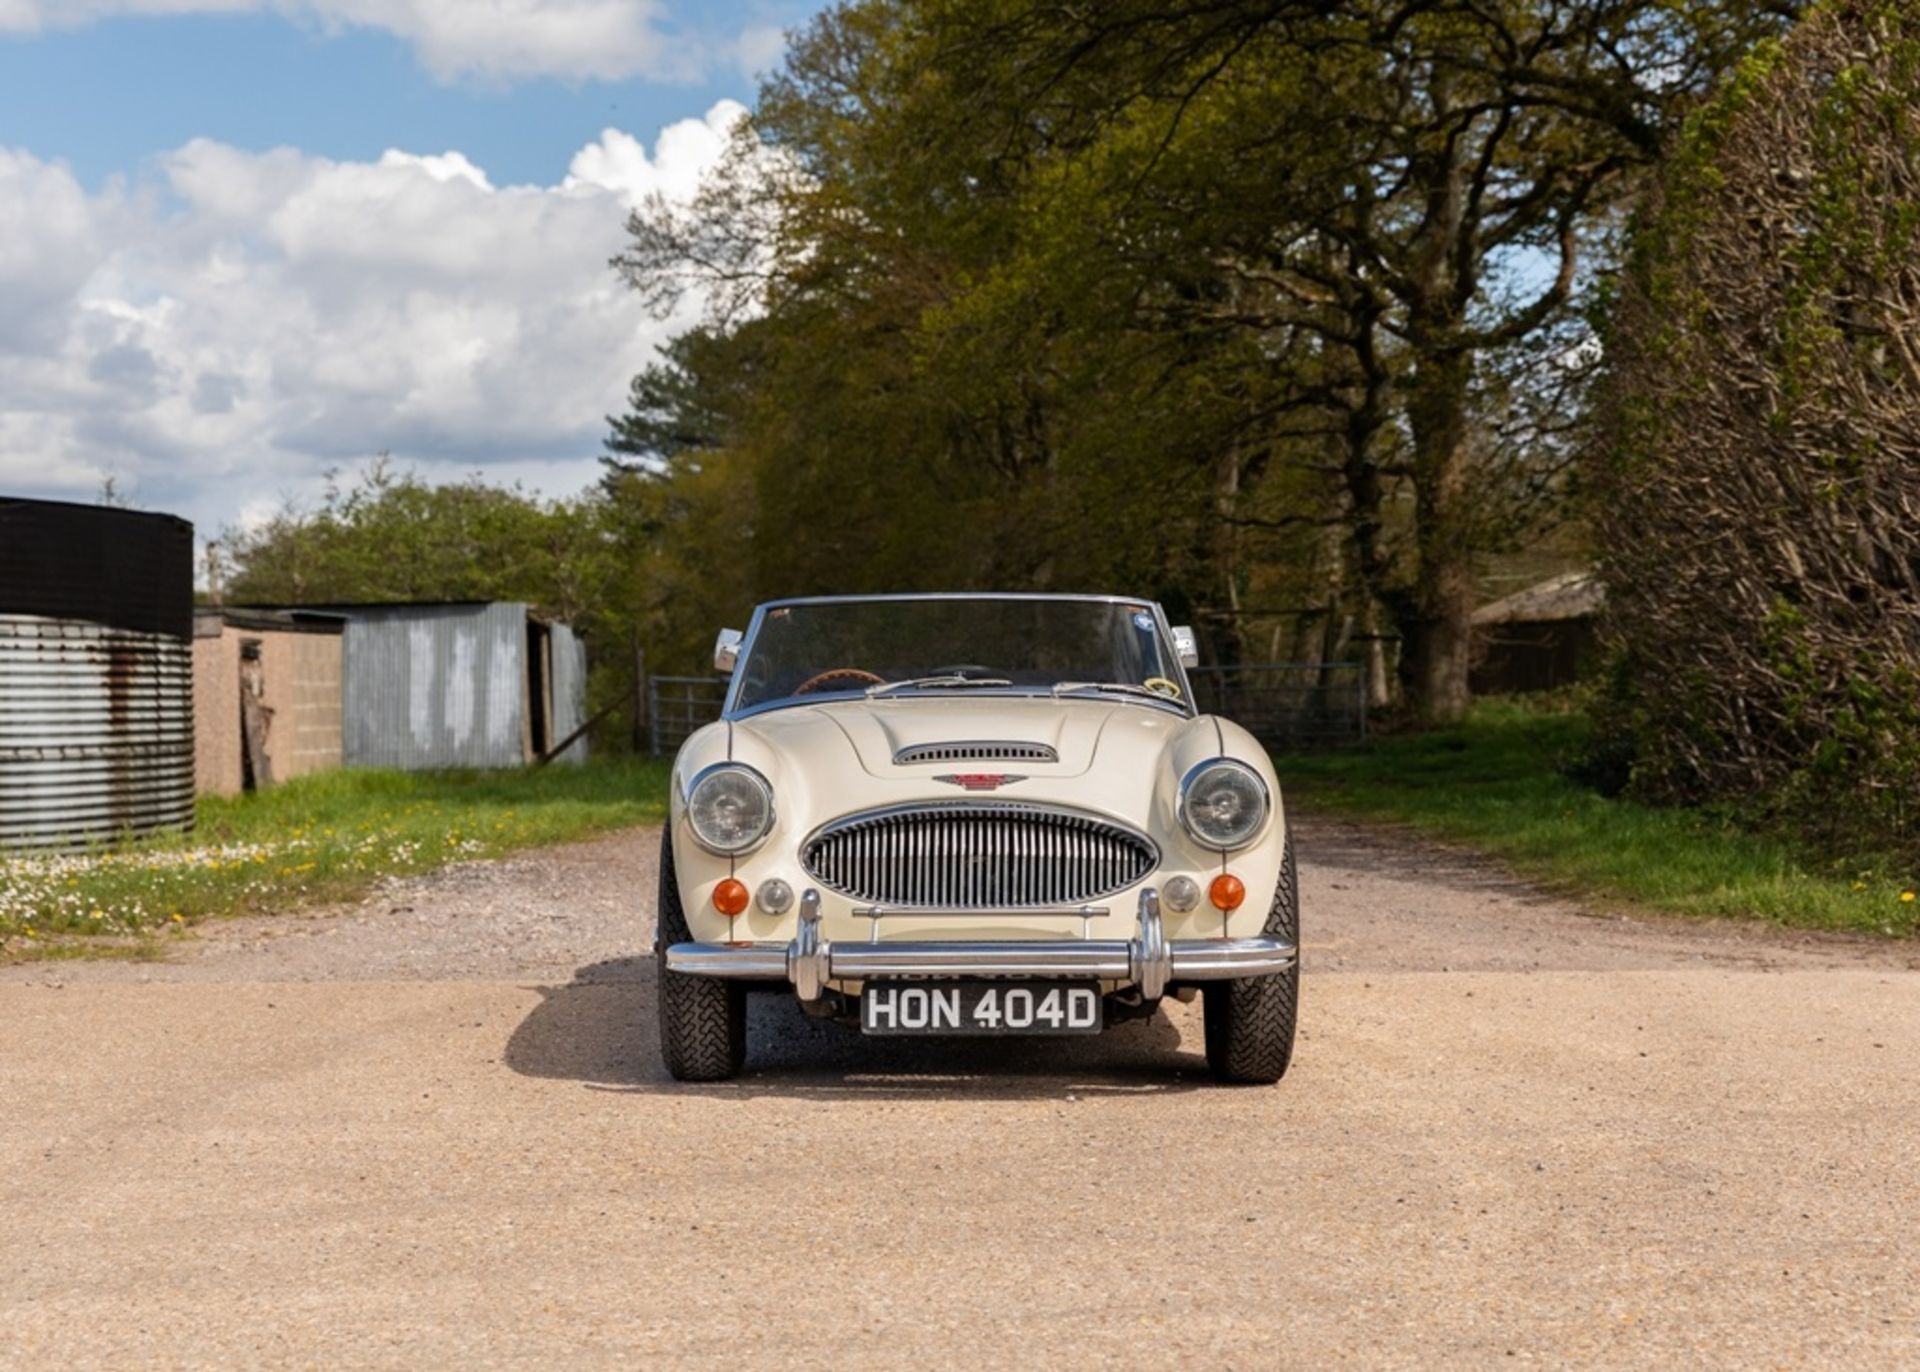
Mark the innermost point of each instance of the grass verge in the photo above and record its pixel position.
(317, 838)
(1496, 783)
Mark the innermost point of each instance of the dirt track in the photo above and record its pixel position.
(434, 1130)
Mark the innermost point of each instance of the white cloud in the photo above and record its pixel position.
(491, 39)
(49, 248)
(272, 315)
(619, 161)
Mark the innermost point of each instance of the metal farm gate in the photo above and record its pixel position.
(1288, 704)
(678, 705)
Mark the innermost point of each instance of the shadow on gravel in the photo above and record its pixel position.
(599, 1029)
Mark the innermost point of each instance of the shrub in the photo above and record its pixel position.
(1759, 480)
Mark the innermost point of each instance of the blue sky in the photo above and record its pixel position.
(247, 242)
(106, 96)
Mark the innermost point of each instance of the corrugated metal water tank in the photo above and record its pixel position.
(96, 673)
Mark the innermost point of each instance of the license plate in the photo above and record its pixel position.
(979, 1007)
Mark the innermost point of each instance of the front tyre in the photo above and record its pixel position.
(1250, 1021)
(703, 1020)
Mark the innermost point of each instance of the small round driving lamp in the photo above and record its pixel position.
(1181, 894)
(1224, 803)
(775, 896)
(729, 809)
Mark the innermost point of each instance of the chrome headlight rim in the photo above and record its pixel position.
(693, 787)
(1194, 773)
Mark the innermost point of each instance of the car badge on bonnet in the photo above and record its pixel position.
(980, 781)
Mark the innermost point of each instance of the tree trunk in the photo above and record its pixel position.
(1334, 625)
(1379, 684)
(1367, 381)
(1227, 645)
(1437, 617)
(1439, 645)
(1439, 632)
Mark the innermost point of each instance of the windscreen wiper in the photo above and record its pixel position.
(924, 683)
(1124, 688)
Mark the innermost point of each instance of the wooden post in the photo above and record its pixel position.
(255, 719)
(567, 742)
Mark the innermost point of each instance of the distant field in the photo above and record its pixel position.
(324, 837)
(1496, 784)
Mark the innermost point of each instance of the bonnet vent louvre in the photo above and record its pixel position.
(985, 751)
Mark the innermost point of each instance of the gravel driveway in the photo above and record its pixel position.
(433, 1129)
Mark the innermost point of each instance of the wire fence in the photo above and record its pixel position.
(1283, 704)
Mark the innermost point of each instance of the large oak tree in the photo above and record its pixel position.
(1197, 280)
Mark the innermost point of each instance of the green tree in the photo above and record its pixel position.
(1399, 200)
(906, 430)
(389, 536)
(1168, 292)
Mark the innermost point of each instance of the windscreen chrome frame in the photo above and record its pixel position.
(733, 711)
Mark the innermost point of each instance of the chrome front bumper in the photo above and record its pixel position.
(1150, 961)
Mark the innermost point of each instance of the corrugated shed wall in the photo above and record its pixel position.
(569, 691)
(435, 686)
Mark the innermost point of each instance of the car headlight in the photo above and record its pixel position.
(1223, 803)
(729, 808)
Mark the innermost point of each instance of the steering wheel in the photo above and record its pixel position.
(852, 676)
(1165, 686)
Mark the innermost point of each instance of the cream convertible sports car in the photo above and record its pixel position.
(973, 815)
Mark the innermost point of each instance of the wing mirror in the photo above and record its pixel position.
(1186, 645)
(726, 651)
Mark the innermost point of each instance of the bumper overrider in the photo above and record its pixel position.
(1150, 962)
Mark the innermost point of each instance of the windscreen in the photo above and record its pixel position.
(889, 647)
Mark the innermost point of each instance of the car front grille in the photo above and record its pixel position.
(962, 855)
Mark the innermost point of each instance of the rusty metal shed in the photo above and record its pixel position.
(96, 675)
(467, 684)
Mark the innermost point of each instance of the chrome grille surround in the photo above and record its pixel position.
(977, 855)
(983, 750)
